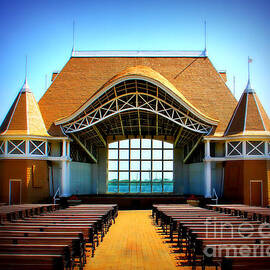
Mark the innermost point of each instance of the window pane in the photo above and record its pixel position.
(135, 187)
(134, 154)
(146, 143)
(124, 144)
(168, 176)
(157, 165)
(135, 165)
(146, 165)
(146, 187)
(124, 154)
(157, 144)
(134, 176)
(123, 176)
(124, 165)
(156, 187)
(113, 165)
(124, 187)
(112, 187)
(146, 176)
(168, 187)
(157, 154)
(157, 176)
(168, 154)
(112, 176)
(168, 145)
(113, 154)
(135, 143)
(146, 154)
(168, 166)
(113, 145)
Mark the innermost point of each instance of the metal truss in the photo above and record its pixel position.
(132, 102)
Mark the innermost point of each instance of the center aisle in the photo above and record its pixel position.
(132, 243)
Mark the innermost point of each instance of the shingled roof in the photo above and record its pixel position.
(249, 117)
(194, 78)
(24, 117)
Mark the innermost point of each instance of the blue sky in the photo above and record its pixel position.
(42, 30)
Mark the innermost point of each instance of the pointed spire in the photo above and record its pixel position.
(249, 116)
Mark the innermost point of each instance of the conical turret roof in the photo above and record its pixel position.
(24, 117)
(249, 117)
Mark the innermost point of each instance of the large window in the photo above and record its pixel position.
(140, 166)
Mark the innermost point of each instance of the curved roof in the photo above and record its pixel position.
(147, 73)
(24, 117)
(194, 78)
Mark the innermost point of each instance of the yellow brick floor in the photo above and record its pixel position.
(134, 243)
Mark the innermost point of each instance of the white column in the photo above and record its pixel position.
(266, 148)
(64, 149)
(207, 149)
(65, 178)
(68, 149)
(207, 171)
(207, 179)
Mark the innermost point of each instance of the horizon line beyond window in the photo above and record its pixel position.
(140, 166)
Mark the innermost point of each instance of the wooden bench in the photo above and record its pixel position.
(31, 262)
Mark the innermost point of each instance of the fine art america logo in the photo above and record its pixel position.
(244, 239)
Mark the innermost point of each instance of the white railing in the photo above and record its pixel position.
(54, 197)
(215, 196)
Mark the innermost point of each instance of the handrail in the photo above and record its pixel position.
(54, 197)
(216, 196)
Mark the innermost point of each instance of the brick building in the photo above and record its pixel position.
(136, 123)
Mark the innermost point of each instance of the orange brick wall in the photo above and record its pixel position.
(237, 180)
(22, 169)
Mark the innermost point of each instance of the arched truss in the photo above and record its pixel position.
(136, 99)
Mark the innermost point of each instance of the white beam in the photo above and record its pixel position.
(84, 148)
(207, 179)
(65, 179)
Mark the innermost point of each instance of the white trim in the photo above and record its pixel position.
(245, 119)
(144, 53)
(256, 181)
(23, 137)
(33, 157)
(15, 180)
(244, 148)
(107, 110)
(259, 110)
(237, 138)
(138, 77)
(229, 158)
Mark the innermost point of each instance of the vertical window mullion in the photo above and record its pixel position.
(140, 182)
(129, 165)
(162, 167)
(118, 170)
(151, 166)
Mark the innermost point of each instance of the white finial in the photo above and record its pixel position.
(248, 87)
(73, 38)
(205, 43)
(25, 87)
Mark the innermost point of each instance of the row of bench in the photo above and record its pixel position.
(11, 212)
(56, 239)
(252, 212)
(208, 237)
